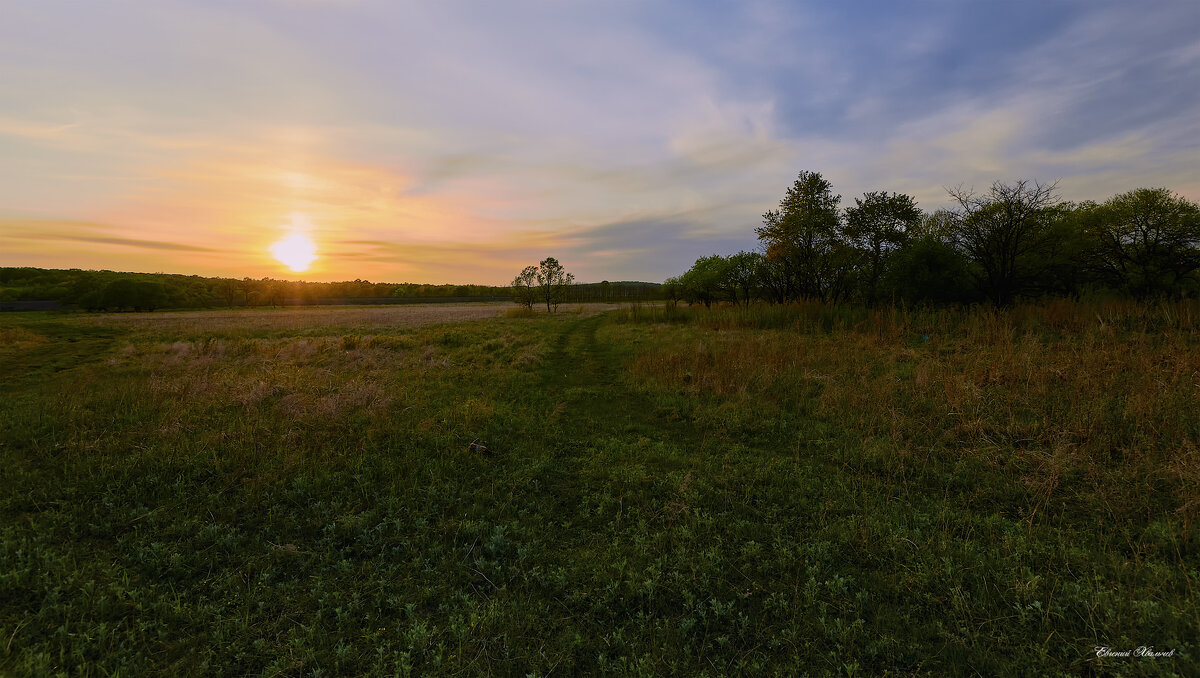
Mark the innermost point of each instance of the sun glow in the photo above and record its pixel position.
(296, 251)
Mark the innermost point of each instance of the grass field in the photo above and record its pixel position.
(772, 491)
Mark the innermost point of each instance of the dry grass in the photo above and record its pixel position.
(589, 309)
(321, 379)
(1105, 393)
(292, 319)
(365, 318)
(18, 337)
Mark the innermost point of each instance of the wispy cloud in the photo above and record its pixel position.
(120, 242)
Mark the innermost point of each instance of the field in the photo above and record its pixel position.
(766, 491)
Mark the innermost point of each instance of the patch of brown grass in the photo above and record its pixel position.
(303, 318)
(19, 338)
(1058, 389)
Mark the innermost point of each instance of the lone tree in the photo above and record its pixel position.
(1147, 242)
(524, 287)
(553, 282)
(879, 224)
(1009, 234)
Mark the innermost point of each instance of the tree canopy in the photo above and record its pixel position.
(1017, 240)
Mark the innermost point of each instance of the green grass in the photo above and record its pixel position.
(781, 491)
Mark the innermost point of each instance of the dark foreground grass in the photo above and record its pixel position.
(804, 491)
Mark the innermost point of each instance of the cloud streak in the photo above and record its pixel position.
(125, 242)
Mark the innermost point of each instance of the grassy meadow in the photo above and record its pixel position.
(801, 490)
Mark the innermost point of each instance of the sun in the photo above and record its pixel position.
(296, 251)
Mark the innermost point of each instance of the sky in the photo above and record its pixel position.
(457, 142)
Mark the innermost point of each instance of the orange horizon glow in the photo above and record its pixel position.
(627, 165)
(338, 220)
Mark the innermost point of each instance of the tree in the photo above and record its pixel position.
(707, 280)
(773, 280)
(928, 270)
(148, 295)
(672, 290)
(878, 224)
(1008, 234)
(270, 291)
(803, 238)
(247, 289)
(223, 290)
(138, 295)
(553, 282)
(117, 295)
(524, 287)
(744, 272)
(939, 225)
(1146, 242)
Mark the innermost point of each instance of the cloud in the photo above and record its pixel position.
(620, 250)
(34, 229)
(131, 242)
(626, 138)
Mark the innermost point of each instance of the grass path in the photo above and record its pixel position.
(583, 373)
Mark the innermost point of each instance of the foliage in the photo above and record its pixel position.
(928, 271)
(1147, 242)
(554, 283)
(802, 238)
(524, 287)
(87, 289)
(1008, 235)
(126, 294)
(673, 290)
(1015, 242)
(707, 280)
(744, 276)
(879, 224)
(737, 278)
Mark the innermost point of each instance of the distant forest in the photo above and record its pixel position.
(1015, 241)
(37, 289)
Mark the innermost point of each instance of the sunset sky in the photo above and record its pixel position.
(460, 141)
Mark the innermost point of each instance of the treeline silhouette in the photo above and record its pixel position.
(43, 289)
(1015, 241)
(118, 291)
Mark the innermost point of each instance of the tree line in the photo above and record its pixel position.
(1014, 241)
(118, 291)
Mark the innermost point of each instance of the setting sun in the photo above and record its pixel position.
(296, 251)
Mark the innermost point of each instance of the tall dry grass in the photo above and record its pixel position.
(1102, 395)
(285, 402)
(292, 319)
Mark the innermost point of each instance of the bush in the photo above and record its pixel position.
(929, 271)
